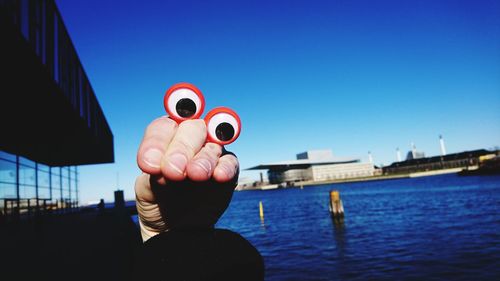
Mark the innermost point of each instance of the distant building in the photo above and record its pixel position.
(51, 119)
(414, 155)
(325, 154)
(315, 165)
(449, 161)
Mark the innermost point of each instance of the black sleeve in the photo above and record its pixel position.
(199, 254)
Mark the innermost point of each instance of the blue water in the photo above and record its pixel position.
(434, 228)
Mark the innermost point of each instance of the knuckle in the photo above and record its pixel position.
(160, 125)
(153, 140)
(213, 147)
(196, 123)
(232, 160)
(190, 137)
(235, 164)
(209, 156)
(184, 146)
(213, 150)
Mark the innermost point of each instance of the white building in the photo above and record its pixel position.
(316, 165)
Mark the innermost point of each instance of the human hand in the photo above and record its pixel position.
(186, 182)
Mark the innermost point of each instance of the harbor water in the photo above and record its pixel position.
(434, 228)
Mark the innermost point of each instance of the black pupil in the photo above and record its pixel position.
(224, 131)
(185, 108)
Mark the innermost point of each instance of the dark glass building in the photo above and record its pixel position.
(51, 119)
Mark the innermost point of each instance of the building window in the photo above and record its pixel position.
(26, 185)
(55, 174)
(25, 20)
(7, 156)
(7, 171)
(65, 182)
(56, 48)
(27, 175)
(7, 190)
(43, 179)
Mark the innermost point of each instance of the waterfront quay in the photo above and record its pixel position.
(82, 244)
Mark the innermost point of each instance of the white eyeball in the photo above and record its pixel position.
(223, 125)
(184, 101)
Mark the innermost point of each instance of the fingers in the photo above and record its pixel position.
(157, 137)
(202, 166)
(172, 152)
(227, 168)
(187, 142)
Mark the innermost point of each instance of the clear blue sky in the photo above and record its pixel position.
(351, 76)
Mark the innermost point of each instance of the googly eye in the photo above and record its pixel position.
(223, 125)
(183, 101)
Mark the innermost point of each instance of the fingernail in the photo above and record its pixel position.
(204, 164)
(178, 162)
(152, 157)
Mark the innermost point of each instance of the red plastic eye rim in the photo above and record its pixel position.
(183, 85)
(218, 110)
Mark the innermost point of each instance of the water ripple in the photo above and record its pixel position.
(435, 228)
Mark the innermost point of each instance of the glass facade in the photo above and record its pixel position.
(42, 26)
(8, 176)
(27, 186)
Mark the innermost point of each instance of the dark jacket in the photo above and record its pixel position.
(199, 254)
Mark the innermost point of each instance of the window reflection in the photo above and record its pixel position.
(7, 156)
(56, 183)
(27, 175)
(25, 18)
(42, 167)
(26, 162)
(7, 190)
(27, 191)
(43, 179)
(65, 182)
(56, 48)
(7, 171)
(43, 192)
(25, 180)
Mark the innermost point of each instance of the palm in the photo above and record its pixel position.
(184, 204)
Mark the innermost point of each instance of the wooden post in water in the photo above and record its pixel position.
(336, 207)
(261, 210)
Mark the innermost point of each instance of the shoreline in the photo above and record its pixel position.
(363, 179)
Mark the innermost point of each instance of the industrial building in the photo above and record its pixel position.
(315, 165)
(416, 162)
(51, 119)
(461, 160)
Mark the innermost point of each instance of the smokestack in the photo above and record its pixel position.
(398, 154)
(370, 158)
(413, 150)
(441, 142)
